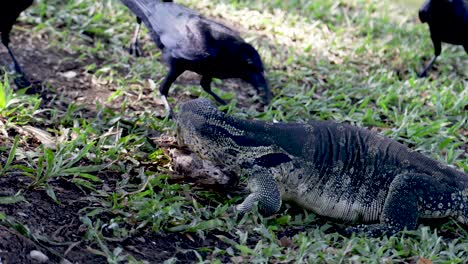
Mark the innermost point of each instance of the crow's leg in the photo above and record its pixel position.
(6, 42)
(174, 72)
(18, 68)
(424, 72)
(22, 80)
(206, 85)
(134, 48)
(437, 50)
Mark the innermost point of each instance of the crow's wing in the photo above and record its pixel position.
(219, 31)
(180, 31)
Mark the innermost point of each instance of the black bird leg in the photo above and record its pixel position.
(22, 81)
(206, 85)
(437, 50)
(15, 62)
(424, 72)
(134, 48)
(171, 76)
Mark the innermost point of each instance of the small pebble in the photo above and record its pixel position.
(69, 74)
(38, 256)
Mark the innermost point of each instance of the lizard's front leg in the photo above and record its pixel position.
(264, 190)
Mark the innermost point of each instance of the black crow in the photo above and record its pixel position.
(448, 22)
(134, 45)
(9, 12)
(191, 42)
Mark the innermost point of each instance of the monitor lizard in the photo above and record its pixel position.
(336, 170)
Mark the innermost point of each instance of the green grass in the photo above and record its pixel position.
(350, 61)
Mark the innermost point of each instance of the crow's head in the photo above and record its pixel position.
(439, 9)
(253, 71)
(426, 10)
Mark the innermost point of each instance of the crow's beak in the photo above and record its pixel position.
(259, 82)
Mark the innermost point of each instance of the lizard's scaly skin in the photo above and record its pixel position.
(336, 170)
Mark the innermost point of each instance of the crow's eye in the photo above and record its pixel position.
(250, 62)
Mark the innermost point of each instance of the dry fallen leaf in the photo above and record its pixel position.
(41, 135)
(422, 260)
(285, 242)
(237, 259)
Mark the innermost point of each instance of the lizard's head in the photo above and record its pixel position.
(206, 131)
